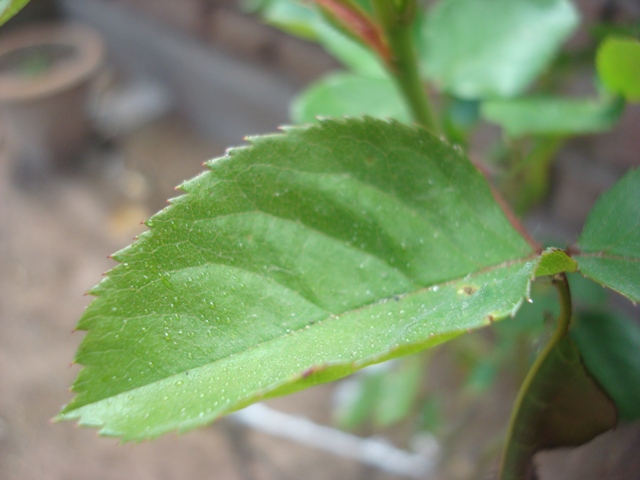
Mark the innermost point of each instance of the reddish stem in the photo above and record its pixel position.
(360, 25)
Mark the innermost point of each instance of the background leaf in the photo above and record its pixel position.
(494, 48)
(386, 391)
(610, 241)
(8, 8)
(553, 116)
(347, 94)
(291, 17)
(398, 391)
(357, 396)
(294, 261)
(610, 346)
(459, 118)
(308, 23)
(587, 294)
(618, 62)
(350, 53)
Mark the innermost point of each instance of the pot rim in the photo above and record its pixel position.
(88, 49)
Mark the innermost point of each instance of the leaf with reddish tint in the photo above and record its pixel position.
(354, 22)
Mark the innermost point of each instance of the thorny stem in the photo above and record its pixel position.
(562, 329)
(396, 21)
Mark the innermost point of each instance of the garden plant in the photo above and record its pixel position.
(348, 240)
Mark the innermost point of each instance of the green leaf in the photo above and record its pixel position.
(459, 118)
(587, 294)
(494, 48)
(8, 8)
(618, 63)
(350, 53)
(554, 261)
(357, 399)
(387, 391)
(292, 17)
(553, 116)
(610, 242)
(308, 23)
(610, 346)
(529, 322)
(528, 182)
(431, 414)
(346, 94)
(294, 261)
(398, 391)
(560, 406)
(482, 375)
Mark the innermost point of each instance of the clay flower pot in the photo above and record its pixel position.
(45, 78)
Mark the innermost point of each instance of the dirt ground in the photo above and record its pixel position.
(55, 237)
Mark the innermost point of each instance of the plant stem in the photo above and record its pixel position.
(406, 75)
(564, 319)
(528, 179)
(403, 65)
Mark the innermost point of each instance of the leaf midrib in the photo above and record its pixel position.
(262, 344)
(605, 255)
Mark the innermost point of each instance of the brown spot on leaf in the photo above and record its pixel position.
(467, 290)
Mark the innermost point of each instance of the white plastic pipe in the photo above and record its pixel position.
(370, 451)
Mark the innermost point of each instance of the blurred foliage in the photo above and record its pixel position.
(8, 8)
